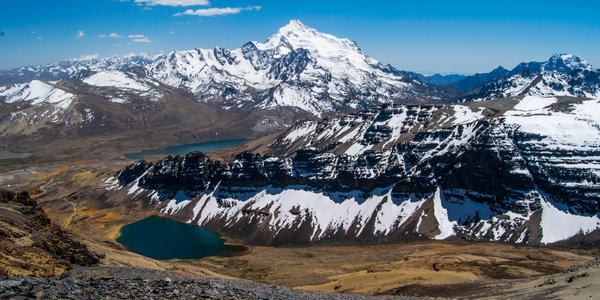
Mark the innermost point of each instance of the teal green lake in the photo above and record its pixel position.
(163, 238)
(187, 148)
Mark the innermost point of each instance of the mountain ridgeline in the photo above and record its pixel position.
(521, 170)
(297, 68)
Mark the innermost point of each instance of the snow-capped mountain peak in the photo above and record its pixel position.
(326, 46)
(566, 63)
(560, 75)
(37, 92)
(297, 67)
(302, 36)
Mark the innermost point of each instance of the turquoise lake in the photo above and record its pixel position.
(187, 148)
(162, 238)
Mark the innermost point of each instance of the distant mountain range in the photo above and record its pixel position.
(475, 81)
(298, 72)
(298, 67)
(561, 75)
(440, 80)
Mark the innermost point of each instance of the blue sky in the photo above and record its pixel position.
(423, 36)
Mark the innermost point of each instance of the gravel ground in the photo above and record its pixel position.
(136, 283)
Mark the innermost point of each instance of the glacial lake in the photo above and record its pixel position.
(187, 148)
(163, 238)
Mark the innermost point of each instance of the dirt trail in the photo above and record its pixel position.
(69, 219)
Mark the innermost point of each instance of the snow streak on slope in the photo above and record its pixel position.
(445, 226)
(557, 129)
(38, 92)
(126, 83)
(558, 225)
(116, 79)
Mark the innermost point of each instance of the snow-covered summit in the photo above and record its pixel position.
(37, 92)
(297, 67)
(560, 75)
(566, 63)
(296, 35)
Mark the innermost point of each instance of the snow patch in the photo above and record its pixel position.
(558, 225)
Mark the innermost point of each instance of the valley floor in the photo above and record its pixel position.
(435, 269)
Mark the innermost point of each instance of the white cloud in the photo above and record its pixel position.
(173, 2)
(137, 38)
(142, 40)
(208, 12)
(112, 36)
(80, 34)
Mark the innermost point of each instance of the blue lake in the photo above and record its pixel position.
(187, 148)
(163, 238)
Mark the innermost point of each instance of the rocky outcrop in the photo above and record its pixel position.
(31, 245)
(136, 283)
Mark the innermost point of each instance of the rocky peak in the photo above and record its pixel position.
(499, 70)
(561, 75)
(297, 35)
(566, 63)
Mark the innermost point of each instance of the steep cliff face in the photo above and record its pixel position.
(515, 170)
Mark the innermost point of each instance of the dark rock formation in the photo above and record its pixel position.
(31, 245)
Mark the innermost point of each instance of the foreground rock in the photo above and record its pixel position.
(135, 283)
(31, 245)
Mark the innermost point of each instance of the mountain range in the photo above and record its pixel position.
(348, 148)
(297, 68)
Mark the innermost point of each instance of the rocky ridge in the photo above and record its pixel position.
(561, 75)
(517, 170)
(31, 245)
